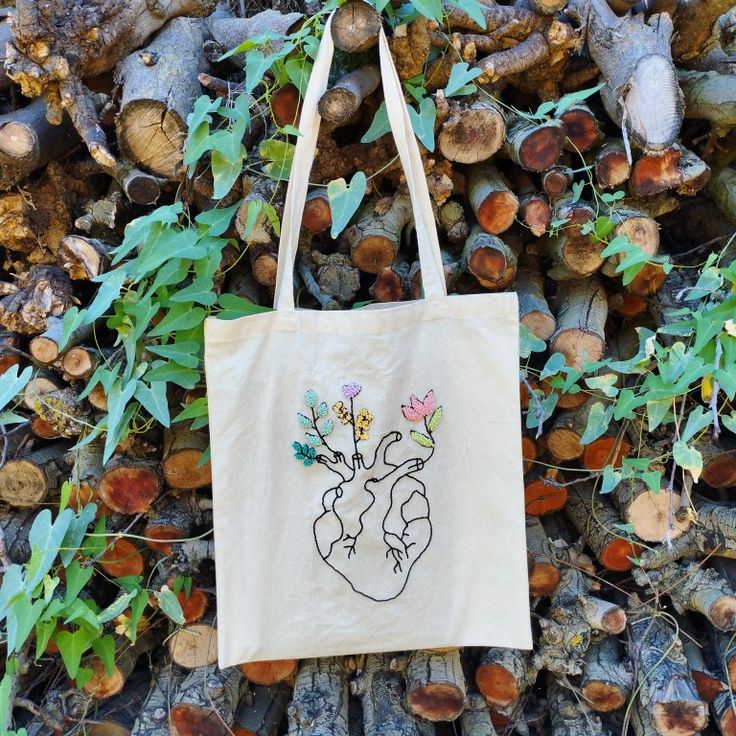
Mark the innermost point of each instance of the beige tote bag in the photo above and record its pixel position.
(367, 467)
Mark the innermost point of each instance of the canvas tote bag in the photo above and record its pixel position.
(367, 467)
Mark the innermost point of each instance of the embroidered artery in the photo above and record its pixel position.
(374, 522)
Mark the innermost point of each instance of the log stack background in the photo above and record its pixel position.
(92, 129)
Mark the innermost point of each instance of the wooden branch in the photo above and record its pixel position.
(544, 575)
(491, 261)
(472, 131)
(320, 701)
(435, 685)
(504, 675)
(339, 103)
(570, 716)
(607, 677)
(494, 204)
(28, 480)
(611, 164)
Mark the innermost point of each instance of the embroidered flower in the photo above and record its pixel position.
(343, 413)
(418, 410)
(351, 390)
(362, 424)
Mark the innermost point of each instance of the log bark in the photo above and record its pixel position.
(183, 451)
(435, 685)
(694, 23)
(153, 719)
(634, 57)
(666, 692)
(494, 204)
(607, 677)
(45, 347)
(569, 716)
(41, 292)
(534, 209)
(206, 701)
(374, 238)
(129, 486)
(27, 481)
(710, 96)
(475, 720)
(473, 131)
(489, 260)
(339, 103)
(159, 85)
(581, 321)
(544, 575)
(319, 705)
(64, 411)
(673, 168)
(381, 690)
(172, 521)
(262, 715)
(563, 439)
(534, 312)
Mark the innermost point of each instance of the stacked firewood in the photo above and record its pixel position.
(95, 98)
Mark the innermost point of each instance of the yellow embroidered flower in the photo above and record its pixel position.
(362, 424)
(342, 412)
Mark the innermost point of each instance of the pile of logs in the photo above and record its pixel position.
(94, 97)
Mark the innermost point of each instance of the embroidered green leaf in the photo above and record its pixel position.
(422, 439)
(321, 410)
(304, 421)
(435, 419)
(326, 428)
(310, 398)
(313, 439)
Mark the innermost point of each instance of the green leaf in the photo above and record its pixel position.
(729, 421)
(421, 439)
(225, 172)
(611, 478)
(195, 410)
(298, 71)
(555, 363)
(379, 127)
(605, 383)
(431, 9)
(72, 645)
(620, 244)
(117, 401)
(218, 220)
(153, 399)
(116, 607)
(653, 480)
(599, 418)
(169, 604)
(568, 100)
(529, 343)
(45, 539)
(76, 578)
(235, 307)
(345, 200)
(656, 411)
(184, 352)
(474, 9)
(435, 419)
(256, 65)
(11, 383)
(179, 317)
(167, 371)
(22, 618)
(104, 648)
(688, 458)
(459, 82)
(423, 121)
(44, 631)
(697, 420)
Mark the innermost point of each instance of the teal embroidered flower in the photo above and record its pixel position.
(305, 453)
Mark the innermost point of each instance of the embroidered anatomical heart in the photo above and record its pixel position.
(374, 520)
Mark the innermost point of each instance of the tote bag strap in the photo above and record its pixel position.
(433, 279)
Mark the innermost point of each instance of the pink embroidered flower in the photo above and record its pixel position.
(417, 410)
(351, 390)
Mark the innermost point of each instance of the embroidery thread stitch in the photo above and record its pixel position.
(374, 524)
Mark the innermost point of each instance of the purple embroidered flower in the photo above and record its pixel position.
(351, 390)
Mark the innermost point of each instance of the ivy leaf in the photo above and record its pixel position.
(225, 172)
(11, 383)
(379, 127)
(179, 317)
(22, 617)
(688, 458)
(474, 9)
(555, 363)
(729, 422)
(697, 420)
(568, 100)
(256, 66)
(169, 604)
(435, 419)
(234, 307)
(298, 71)
(153, 399)
(44, 632)
(653, 480)
(431, 9)
(459, 82)
(72, 645)
(423, 121)
(116, 607)
(529, 343)
(104, 648)
(218, 220)
(167, 371)
(184, 352)
(344, 200)
(76, 578)
(45, 539)
(599, 418)
(421, 439)
(656, 411)
(611, 478)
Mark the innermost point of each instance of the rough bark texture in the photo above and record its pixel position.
(607, 677)
(319, 706)
(435, 685)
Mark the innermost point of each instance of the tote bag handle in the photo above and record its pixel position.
(433, 278)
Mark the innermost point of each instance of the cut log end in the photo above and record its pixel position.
(497, 212)
(439, 701)
(612, 168)
(193, 607)
(269, 672)
(618, 553)
(152, 135)
(497, 684)
(603, 697)
(541, 499)
(649, 514)
(317, 215)
(373, 253)
(541, 324)
(605, 451)
(722, 613)
(22, 484)
(648, 281)
(541, 148)
(564, 444)
(122, 559)
(613, 620)
(182, 469)
(581, 129)
(679, 718)
(101, 685)
(720, 471)
(159, 537)
(44, 349)
(286, 105)
(578, 346)
(193, 720)
(543, 579)
(129, 489)
(472, 135)
(355, 27)
(194, 646)
(536, 215)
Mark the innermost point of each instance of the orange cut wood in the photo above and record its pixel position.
(615, 556)
(195, 606)
(270, 671)
(541, 499)
(121, 559)
(497, 684)
(605, 451)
